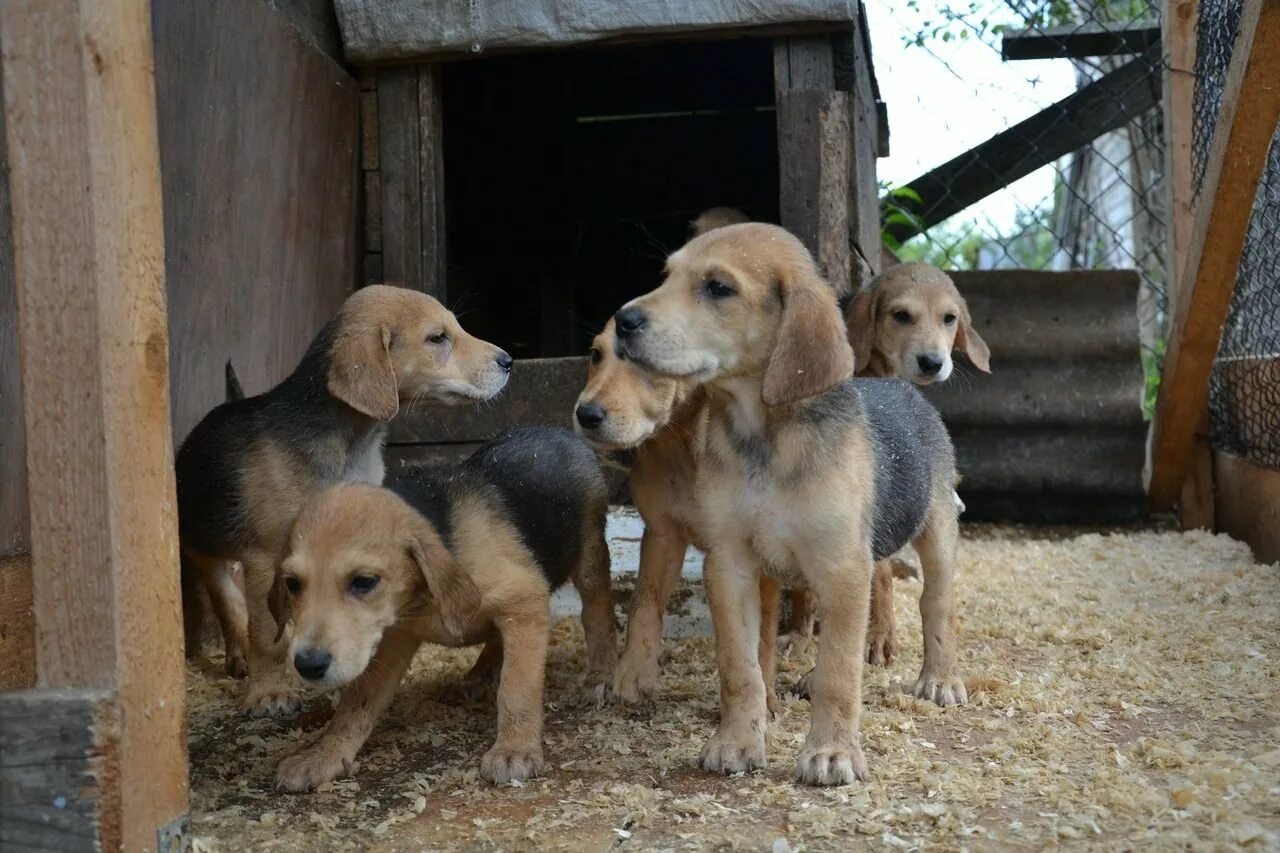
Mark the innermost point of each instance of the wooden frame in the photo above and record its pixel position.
(80, 122)
(1246, 127)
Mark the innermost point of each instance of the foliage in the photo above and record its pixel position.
(987, 20)
(1151, 363)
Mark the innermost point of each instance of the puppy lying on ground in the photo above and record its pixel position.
(801, 471)
(245, 469)
(905, 323)
(455, 557)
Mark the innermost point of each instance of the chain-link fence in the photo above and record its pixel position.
(1244, 388)
(1027, 133)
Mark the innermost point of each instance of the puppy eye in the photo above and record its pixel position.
(293, 585)
(362, 584)
(903, 317)
(717, 289)
(596, 355)
(948, 318)
(437, 338)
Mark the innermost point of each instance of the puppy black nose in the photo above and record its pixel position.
(629, 321)
(312, 664)
(590, 415)
(505, 361)
(929, 364)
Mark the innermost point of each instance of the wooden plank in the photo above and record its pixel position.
(1104, 105)
(399, 171)
(14, 522)
(373, 212)
(1248, 504)
(54, 747)
(864, 190)
(80, 112)
(813, 162)
(1081, 41)
(17, 622)
(542, 391)
(803, 62)
(259, 137)
(1196, 499)
(431, 180)
(1246, 126)
(369, 130)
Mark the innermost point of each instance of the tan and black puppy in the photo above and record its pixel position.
(453, 556)
(802, 471)
(905, 324)
(245, 469)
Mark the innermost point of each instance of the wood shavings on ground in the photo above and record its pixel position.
(1124, 695)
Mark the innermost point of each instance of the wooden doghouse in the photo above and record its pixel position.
(532, 163)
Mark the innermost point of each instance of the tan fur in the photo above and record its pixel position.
(488, 584)
(716, 217)
(808, 524)
(381, 357)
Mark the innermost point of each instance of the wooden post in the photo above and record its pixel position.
(1178, 23)
(814, 153)
(1246, 126)
(79, 100)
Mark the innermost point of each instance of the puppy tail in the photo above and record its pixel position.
(234, 390)
(192, 607)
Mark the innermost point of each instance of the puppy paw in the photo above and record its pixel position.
(727, 754)
(311, 768)
(880, 648)
(467, 691)
(505, 764)
(902, 570)
(831, 765)
(236, 665)
(272, 699)
(793, 644)
(771, 701)
(804, 687)
(593, 692)
(941, 690)
(634, 682)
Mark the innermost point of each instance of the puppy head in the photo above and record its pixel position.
(742, 301)
(359, 558)
(622, 405)
(393, 344)
(715, 217)
(913, 316)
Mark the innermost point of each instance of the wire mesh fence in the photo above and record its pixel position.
(1244, 387)
(1027, 133)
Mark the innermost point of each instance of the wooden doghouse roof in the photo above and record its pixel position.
(391, 30)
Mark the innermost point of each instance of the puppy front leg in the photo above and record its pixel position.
(770, 604)
(662, 550)
(939, 679)
(271, 691)
(517, 753)
(362, 703)
(832, 752)
(733, 592)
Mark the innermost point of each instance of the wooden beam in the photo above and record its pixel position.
(1248, 504)
(79, 101)
(1246, 127)
(431, 179)
(399, 173)
(870, 131)
(1080, 41)
(1104, 105)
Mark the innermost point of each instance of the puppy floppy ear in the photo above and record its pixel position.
(360, 372)
(969, 342)
(279, 604)
(811, 354)
(456, 593)
(861, 323)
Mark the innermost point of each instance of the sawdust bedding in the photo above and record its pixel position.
(1125, 694)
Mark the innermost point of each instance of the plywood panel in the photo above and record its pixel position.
(1248, 504)
(258, 143)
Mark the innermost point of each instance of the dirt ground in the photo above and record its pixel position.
(1124, 694)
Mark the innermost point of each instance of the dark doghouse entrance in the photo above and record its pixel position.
(570, 175)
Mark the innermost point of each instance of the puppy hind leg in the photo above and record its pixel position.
(480, 681)
(591, 579)
(801, 624)
(880, 628)
(271, 690)
(939, 679)
(228, 600)
(662, 550)
(192, 604)
(770, 604)
(362, 703)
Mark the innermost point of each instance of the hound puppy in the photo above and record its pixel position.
(905, 323)
(451, 557)
(245, 469)
(801, 471)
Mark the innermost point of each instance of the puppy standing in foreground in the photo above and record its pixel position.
(245, 469)
(905, 324)
(801, 471)
(456, 557)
